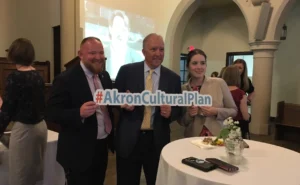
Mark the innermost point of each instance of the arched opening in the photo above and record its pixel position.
(216, 26)
(280, 17)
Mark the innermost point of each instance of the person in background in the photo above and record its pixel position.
(231, 76)
(86, 128)
(246, 84)
(143, 131)
(221, 72)
(24, 104)
(214, 74)
(118, 52)
(205, 120)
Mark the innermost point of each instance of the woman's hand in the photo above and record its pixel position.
(193, 110)
(209, 111)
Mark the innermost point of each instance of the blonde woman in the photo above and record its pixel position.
(232, 78)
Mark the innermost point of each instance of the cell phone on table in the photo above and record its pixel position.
(199, 164)
(222, 165)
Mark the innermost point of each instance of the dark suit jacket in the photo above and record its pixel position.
(131, 77)
(76, 142)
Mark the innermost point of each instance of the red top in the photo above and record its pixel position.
(205, 132)
(237, 96)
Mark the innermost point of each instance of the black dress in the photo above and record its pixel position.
(23, 99)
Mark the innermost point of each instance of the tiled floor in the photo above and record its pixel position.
(177, 133)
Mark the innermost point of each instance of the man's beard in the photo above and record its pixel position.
(94, 70)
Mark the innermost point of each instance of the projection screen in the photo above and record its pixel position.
(120, 31)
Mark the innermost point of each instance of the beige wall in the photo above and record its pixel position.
(32, 19)
(217, 31)
(8, 18)
(35, 19)
(286, 76)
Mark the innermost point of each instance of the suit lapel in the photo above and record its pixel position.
(139, 80)
(163, 83)
(103, 80)
(82, 84)
(140, 77)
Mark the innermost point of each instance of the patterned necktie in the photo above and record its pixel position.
(146, 125)
(107, 121)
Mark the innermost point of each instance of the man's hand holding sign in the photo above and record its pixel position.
(165, 111)
(88, 109)
(126, 106)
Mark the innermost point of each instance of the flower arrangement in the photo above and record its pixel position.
(230, 131)
(232, 136)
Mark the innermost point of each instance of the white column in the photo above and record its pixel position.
(67, 31)
(262, 81)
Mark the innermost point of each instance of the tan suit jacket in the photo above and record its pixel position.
(221, 99)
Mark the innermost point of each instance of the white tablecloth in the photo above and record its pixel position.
(263, 164)
(53, 172)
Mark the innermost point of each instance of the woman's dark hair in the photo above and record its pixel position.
(21, 52)
(190, 56)
(214, 74)
(244, 75)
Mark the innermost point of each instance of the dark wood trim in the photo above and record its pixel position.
(6, 67)
(47, 63)
(56, 50)
(272, 119)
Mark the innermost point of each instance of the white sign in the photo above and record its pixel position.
(187, 98)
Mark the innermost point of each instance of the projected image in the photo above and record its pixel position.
(121, 33)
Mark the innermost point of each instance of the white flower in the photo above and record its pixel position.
(236, 122)
(225, 122)
(228, 121)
